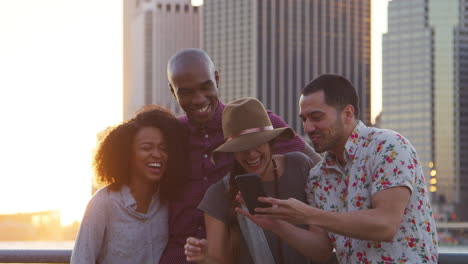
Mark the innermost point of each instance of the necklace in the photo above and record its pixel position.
(275, 172)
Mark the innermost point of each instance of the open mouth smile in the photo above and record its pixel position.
(154, 165)
(203, 109)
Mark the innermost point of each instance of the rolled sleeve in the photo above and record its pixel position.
(395, 164)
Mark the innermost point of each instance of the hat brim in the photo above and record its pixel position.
(253, 140)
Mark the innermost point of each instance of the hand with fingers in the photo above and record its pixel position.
(290, 210)
(196, 250)
(265, 223)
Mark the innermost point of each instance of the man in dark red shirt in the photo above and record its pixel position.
(194, 82)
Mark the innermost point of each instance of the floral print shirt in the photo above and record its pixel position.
(376, 159)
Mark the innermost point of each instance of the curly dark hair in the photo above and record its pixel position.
(114, 153)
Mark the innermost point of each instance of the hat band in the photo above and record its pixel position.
(250, 131)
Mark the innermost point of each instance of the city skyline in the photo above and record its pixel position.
(425, 61)
(61, 64)
(272, 49)
(149, 42)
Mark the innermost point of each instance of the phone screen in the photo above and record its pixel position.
(250, 186)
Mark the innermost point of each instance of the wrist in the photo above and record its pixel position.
(280, 227)
(313, 216)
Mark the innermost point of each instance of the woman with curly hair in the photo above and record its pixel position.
(143, 161)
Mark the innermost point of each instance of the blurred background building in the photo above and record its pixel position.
(43, 225)
(153, 31)
(262, 48)
(270, 49)
(425, 92)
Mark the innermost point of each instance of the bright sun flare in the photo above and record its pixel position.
(61, 64)
(61, 84)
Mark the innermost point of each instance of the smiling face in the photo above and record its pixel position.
(256, 160)
(324, 124)
(149, 159)
(195, 86)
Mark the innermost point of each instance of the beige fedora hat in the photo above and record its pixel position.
(246, 125)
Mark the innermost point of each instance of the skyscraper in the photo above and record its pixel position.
(425, 89)
(271, 48)
(154, 30)
(461, 95)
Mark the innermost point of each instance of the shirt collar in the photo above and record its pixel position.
(357, 136)
(213, 124)
(354, 140)
(131, 204)
(128, 199)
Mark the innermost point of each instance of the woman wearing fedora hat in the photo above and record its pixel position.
(230, 238)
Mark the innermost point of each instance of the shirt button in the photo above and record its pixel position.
(205, 156)
(200, 228)
(205, 178)
(206, 136)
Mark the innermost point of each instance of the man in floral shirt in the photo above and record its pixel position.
(368, 196)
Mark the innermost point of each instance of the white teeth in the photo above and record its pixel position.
(201, 110)
(255, 162)
(154, 165)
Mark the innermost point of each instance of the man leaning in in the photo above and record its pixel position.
(367, 198)
(194, 83)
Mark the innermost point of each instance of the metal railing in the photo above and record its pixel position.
(63, 256)
(35, 256)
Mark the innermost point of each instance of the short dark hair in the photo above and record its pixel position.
(339, 91)
(112, 160)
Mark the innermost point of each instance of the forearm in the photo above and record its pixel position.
(380, 223)
(217, 259)
(314, 244)
(369, 224)
(211, 260)
(218, 247)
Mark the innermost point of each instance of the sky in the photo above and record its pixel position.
(61, 84)
(378, 27)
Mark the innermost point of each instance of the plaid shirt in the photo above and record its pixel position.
(184, 218)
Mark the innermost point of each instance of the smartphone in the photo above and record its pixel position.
(250, 186)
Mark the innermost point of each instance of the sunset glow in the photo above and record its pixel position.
(61, 83)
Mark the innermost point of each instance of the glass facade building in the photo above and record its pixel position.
(271, 48)
(423, 83)
(407, 76)
(461, 106)
(154, 30)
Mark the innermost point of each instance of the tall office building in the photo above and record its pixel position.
(461, 95)
(271, 48)
(154, 30)
(425, 89)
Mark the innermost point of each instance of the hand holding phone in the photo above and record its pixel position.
(250, 186)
